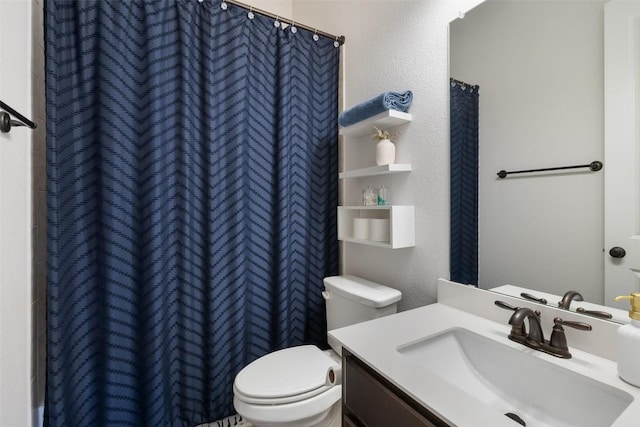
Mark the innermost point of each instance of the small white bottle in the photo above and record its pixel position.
(629, 343)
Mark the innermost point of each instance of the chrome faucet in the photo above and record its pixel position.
(555, 346)
(568, 297)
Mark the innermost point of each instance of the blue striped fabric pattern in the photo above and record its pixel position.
(464, 106)
(399, 101)
(192, 185)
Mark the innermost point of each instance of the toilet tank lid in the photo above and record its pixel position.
(362, 290)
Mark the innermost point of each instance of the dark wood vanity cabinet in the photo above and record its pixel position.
(369, 400)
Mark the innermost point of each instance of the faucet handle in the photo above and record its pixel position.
(533, 298)
(517, 330)
(575, 325)
(506, 306)
(601, 314)
(559, 339)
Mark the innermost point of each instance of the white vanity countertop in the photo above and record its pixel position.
(376, 341)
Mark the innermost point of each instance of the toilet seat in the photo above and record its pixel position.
(285, 376)
(302, 413)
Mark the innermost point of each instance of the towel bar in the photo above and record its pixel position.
(6, 122)
(593, 166)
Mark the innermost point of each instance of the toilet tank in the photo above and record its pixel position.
(351, 300)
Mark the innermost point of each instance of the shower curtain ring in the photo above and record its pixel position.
(336, 43)
(316, 37)
(276, 23)
(250, 14)
(223, 5)
(293, 27)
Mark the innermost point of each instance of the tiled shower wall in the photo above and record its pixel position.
(38, 214)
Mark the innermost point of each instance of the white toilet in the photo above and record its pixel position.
(289, 387)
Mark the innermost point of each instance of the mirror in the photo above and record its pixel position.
(539, 66)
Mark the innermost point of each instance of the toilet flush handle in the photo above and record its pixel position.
(326, 295)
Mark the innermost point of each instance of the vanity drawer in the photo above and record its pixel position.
(371, 401)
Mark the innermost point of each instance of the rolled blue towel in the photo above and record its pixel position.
(399, 101)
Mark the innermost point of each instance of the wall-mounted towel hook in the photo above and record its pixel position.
(6, 122)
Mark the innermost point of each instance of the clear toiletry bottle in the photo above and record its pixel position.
(383, 196)
(369, 197)
(629, 343)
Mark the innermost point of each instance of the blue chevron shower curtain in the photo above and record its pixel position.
(464, 114)
(192, 185)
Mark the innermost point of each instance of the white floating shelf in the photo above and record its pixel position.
(370, 208)
(368, 242)
(401, 224)
(376, 170)
(384, 120)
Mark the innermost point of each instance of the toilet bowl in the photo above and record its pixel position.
(289, 387)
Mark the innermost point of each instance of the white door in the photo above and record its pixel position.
(622, 150)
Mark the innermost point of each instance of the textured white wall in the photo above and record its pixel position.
(283, 8)
(15, 218)
(539, 65)
(399, 45)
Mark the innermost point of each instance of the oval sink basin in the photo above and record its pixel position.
(528, 388)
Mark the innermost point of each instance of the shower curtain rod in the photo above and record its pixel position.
(461, 83)
(339, 39)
